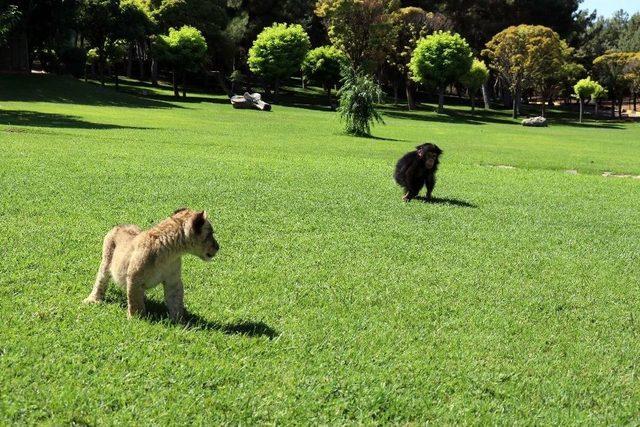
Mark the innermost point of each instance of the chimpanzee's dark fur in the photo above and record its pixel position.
(417, 169)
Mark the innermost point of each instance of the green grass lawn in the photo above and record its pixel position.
(512, 301)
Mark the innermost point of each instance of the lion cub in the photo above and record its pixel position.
(139, 260)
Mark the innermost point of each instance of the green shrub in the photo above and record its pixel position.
(323, 65)
(278, 52)
(357, 103)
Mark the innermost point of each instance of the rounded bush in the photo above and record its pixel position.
(323, 65)
(441, 58)
(278, 51)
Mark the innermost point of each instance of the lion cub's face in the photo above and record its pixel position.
(200, 234)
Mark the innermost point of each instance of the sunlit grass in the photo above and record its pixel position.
(513, 300)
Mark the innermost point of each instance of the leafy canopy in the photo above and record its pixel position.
(184, 49)
(278, 51)
(410, 24)
(441, 58)
(323, 64)
(585, 88)
(632, 71)
(362, 29)
(477, 75)
(526, 55)
(611, 68)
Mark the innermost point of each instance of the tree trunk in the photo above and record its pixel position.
(175, 84)
(613, 107)
(485, 96)
(544, 107)
(327, 87)
(140, 69)
(86, 71)
(411, 99)
(154, 71)
(184, 84)
(620, 108)
(115, 78)
(302, 80)
(635, 102)
(473, 101)
(101, 67)
(596, 105)
(441, 100)
(130, 61)
(395, 92)
(581, 107)
(516, 110)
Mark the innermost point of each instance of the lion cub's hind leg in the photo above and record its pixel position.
(103, 276)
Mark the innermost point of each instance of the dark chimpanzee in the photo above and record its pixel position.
(416, 169)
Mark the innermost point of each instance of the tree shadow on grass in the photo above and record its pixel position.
(37, 119)
(156, 312)
(449, 116)
(67, 90)
(380, 138)
(447, 201)
(588, 125)
(191, 99)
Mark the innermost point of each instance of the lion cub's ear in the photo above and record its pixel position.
(198, 221)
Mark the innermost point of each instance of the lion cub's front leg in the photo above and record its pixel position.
(135, 298)
(174, 298)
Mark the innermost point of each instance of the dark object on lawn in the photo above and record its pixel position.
(539, 122)
(417, 169)
(250, 100)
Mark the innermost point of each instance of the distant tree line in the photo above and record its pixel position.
(464, 46)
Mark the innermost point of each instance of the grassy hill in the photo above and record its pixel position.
(513, 299)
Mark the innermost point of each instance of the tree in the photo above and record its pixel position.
(99, 23)
(584, 90)
(410, 24)
(478, 20)
(474, 79)
(440, 59)
(9, 17)
(601, 36)
(632, 70)
(611, 70)
(323, 65)
(630, 37)
(357, 103)
(207, 16)
(185, 50)
(135, 25)
(549, 55)
(570, 73)
(524, 56)
(362, 29)
(278, 52)
(92, 61)
(598, 94)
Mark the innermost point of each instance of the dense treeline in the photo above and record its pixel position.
(175, 39)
